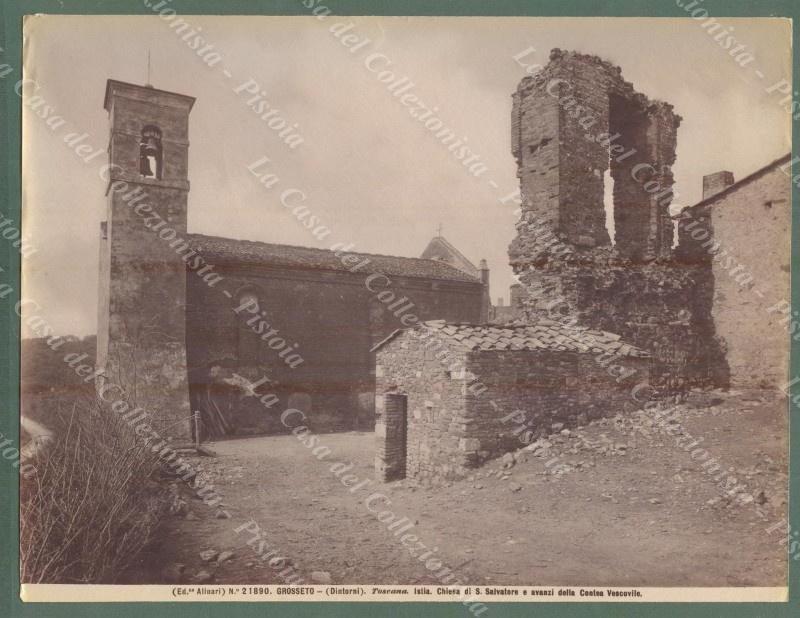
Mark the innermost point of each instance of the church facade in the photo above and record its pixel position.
(241, 330)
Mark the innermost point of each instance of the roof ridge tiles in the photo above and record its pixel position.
(253, 251)
(538, 335)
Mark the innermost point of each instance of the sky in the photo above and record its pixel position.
(372, 173)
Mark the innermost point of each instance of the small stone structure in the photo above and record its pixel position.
(449, 395)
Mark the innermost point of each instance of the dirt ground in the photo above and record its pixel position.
(631, 509)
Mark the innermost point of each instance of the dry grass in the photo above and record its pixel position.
(93, 505)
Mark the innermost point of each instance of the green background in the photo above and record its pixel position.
(11, 12)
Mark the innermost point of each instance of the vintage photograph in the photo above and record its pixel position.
(472, 309)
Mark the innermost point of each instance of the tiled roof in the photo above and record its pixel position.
(228, 250)
(542, 335)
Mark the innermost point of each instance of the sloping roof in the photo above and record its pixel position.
(229, 250)
(738, 184)
(440, 249)
(543, 335)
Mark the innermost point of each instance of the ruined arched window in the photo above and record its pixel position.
(150, 155)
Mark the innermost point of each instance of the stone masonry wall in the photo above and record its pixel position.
(143, 344)
(454, 427)
(546, 387)
(571, 122)
(334, 319)
(437, 429)
(748, 268)
(390, 436)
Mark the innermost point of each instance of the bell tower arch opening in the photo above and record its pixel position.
(150, 152)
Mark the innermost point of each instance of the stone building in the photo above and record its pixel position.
(328, 313)
(452, 395)
(191, 322)
(739, 234)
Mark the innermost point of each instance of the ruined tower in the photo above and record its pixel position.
(141, 343)
(592, 155)
(572, 123)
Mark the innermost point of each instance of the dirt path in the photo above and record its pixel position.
(640, 512)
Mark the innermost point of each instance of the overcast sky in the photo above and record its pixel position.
(371, 172)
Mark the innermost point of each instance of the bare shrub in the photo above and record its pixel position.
(92, 505)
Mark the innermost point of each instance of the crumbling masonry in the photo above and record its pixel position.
(574, 124)
(594, 319)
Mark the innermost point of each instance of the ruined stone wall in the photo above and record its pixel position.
(544, 388)
(571, 123)
(662, 306)
(748, 271)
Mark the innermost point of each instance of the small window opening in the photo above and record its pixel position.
(150, 154)
(537, 147)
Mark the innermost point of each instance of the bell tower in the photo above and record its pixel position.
(141, 338)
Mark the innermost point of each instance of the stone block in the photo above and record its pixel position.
(469, 444)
